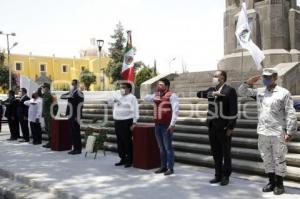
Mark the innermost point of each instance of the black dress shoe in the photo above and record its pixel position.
(120, 163)
(46, 145)
(127, 165)
(224, 181)
(11, 139)
(215, 180)
(169, 172)
(74, 152)
(161, 170)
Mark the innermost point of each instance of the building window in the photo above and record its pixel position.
(18, 66)
(42, 67)
(82, 68)
(64, 68)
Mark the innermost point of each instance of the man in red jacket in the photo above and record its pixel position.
(166, 109)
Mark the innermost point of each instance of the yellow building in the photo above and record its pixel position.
(60, 71)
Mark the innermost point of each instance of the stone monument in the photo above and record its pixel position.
(275, 28)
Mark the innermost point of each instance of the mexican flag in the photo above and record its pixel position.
(128, 63)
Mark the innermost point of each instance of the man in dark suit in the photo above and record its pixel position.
(74, 111)
(11, 114)
(23, 114)
(221, 119)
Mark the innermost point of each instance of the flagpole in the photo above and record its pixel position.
(242, 66)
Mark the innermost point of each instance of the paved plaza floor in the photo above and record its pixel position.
(50, 174)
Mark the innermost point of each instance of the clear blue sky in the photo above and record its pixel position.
(190, 30)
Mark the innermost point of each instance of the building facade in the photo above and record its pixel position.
(59, 71)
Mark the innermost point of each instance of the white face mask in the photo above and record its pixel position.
(71, 88)
(123, 92)
(215, 81)
(20, 94)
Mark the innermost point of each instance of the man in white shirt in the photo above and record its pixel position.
(166, 108)
(277, 122)
(125, 114)
(34, 117)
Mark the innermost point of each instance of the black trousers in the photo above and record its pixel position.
(220, 145)
(36, 132)
(14, 128)
(25, 129)
(75, 132)
(124, 139)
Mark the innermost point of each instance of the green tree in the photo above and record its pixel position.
(2, 58)
(87, 78)
(4, 74)
(116, 51)
(144, 74)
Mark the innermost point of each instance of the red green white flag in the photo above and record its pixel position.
(128, 63)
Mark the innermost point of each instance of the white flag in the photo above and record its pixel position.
(243, 36)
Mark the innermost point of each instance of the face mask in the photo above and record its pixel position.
(20, 94)
(123, 92)
(267, 82)
(215, 81)
(71, 88)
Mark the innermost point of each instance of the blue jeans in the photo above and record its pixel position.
(164, 140)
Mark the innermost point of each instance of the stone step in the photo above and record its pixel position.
(182, 113)
(242, 123)
(293, 159)
(243, 166)
(247, 143)
(294, 147)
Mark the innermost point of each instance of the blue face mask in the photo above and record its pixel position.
(267, 82)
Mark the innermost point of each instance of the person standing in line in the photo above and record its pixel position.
(1, 115)
(11, 114)
(166, 108)
(34, 117)
(277, 123)
(46, 111)
(125, 114)
(221, 120)
(23, 114)
(74, 111)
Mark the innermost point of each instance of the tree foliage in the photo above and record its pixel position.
(116, 51)
(87, 78)
(4, 74)
(144, 74)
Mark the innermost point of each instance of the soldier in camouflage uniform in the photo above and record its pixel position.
(277, 122)
(47, 101)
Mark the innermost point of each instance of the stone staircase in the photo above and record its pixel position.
(191, 134)
(186, 85)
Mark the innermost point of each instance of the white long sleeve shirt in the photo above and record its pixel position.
(35, 109)
(174, 103)
(124, 106)
(276, 113)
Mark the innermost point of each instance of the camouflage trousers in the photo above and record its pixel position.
(47, 120)
(273, 150)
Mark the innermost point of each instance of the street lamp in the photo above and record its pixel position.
(170, 64)
(8, 53)
(100, 43)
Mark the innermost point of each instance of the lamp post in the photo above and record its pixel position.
(100, 43)
(170, 64)
(8, 53)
